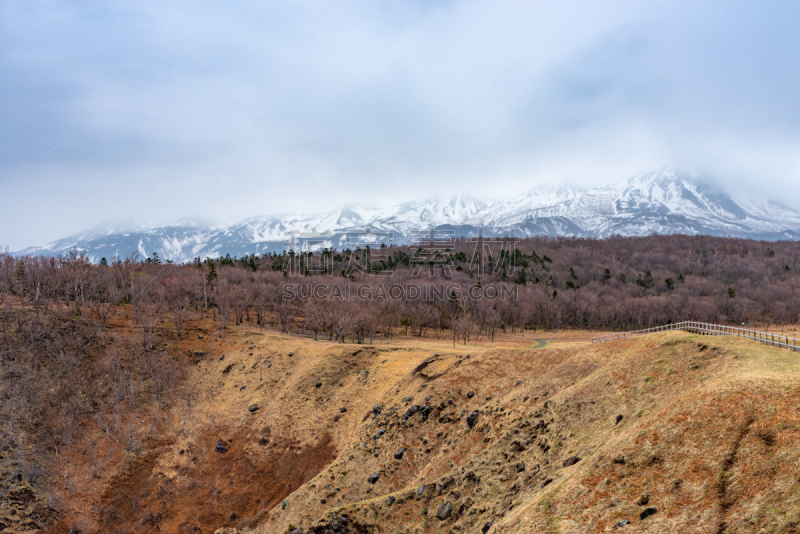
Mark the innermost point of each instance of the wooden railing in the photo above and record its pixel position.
(768, 338)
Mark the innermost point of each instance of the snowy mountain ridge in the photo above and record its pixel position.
(663, 201)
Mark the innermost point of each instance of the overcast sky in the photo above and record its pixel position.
(224, 110)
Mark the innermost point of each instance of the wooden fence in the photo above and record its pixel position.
(768, 338)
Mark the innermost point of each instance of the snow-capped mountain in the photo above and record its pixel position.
(664, 201)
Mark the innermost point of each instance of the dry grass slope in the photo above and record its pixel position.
(707, 438)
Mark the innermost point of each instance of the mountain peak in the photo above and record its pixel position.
(665, 200)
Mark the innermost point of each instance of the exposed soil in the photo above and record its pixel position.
(707, 438)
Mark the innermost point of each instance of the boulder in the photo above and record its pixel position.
(445, 509)
(472, 418)
(373, 478)
(399, 454)
(390, 500)
(647, 512)
(253, 408)
(425, 411)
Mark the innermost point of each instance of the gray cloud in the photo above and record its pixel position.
(585, 92)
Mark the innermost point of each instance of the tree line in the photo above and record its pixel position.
(618, 283)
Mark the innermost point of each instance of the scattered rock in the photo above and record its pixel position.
(619, 458)
(427, 398)
(373, 478)
(318, 384)
(291, 354)
(390, 500)
(622, 524)
(263, 441)
(283, 505)
(253, 408)
(399, 454)
(379, 433)
(472, 419)
(377, 453)
(408, 399)
(618, 419)
(342, 409)
(487, 526)
(647, 512)
(643, 499)
(227, 369)
(196, 353)
(421, 489)
(222, 357)
(519, 383)
(520, 467)
(222, 446)
(546, 482)
(470, 394)
(445, 509)
(572, 460)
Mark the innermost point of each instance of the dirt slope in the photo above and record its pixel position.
(279, 433)
(706, 439)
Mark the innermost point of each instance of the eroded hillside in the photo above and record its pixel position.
(533, 441)
(673, 432)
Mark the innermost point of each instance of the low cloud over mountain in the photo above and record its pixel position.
(665, 201)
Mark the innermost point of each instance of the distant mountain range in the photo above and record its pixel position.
(664, 201)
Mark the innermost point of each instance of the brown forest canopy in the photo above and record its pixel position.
(615, 283)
